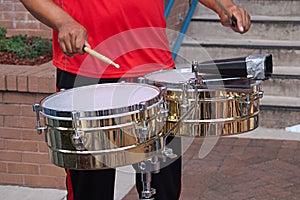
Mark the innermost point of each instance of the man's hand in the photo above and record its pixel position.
(242, 17)
(72, 37)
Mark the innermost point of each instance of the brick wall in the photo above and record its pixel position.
(23, 153)
(18, 20)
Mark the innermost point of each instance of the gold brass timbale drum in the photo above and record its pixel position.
(222, 106)
(104, 125)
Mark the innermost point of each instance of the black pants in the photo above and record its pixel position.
(99, 184)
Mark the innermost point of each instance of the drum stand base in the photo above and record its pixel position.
(147, 168)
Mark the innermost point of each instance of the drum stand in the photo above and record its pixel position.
(152, 165)
(147, 168)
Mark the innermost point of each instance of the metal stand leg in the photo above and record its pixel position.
(147, 168)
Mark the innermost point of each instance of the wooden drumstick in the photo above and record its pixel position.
(100, 57)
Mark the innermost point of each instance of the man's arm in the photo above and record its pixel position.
(71, 35)
(242, 16)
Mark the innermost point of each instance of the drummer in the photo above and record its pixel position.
(133, 34)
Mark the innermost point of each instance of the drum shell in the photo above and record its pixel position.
(110, 140)
(219, 110)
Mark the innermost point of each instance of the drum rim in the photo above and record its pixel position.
(135, 108)
(205, 87)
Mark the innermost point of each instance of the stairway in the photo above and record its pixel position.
(275, 30)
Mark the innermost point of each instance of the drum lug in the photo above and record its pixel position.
(184, 106)
(141, 80)
(37, 109)
(142, 129)
(164, 108)
(76, 138)
(245, 104)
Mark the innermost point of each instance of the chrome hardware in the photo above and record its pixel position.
(76, 138)
(148, 167)
(37, 108)
(184, 106)
(164, 108)
(141, 80)
(142, 129)
(245, 103)
(167, 153)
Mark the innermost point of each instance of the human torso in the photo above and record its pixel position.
(131, 32)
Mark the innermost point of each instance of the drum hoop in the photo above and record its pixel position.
(95, 115)
(174, 87)
(103, 114)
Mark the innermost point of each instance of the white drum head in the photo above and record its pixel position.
(100, 97)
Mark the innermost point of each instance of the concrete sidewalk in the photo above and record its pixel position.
(263, 156)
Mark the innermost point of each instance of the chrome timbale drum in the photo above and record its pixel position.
(224, 106)
(103, 126)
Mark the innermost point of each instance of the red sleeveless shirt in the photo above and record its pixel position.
(130, 32)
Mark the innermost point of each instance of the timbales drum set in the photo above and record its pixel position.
(110, 125)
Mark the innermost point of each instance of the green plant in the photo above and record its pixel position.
(24, 46)
(3, 32)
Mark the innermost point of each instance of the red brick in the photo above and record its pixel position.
(6, 7)
(28, 122)
(10, 109)
(33, 80)
(44, 181)
(21, 98)
(290, 144)
(3, 166)
(27, 110)
(21, 168)
(22, 145)
(8, 15)
(52, 170)
(43, 147)
(14, 179)
(31, 134)
(22, 83)
(10, 156)
(12, 121)
(2, 144)
(39, 158)
(19, 122)
(10, 133)
(11, 78)
(1, 122)
(26, 24)
(18, 7)
(2, 82)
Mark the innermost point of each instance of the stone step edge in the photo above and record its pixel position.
(269, 102)
(244, 43)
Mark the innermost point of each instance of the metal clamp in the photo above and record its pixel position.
(37, 108)
(142, 129)
(167, 153)
(245, 104)
(164, 108)
(76, 138)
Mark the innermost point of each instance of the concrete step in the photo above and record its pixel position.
(273, 114)
(285, 53)
(262, 7)
(282, 85)
(268, 27)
